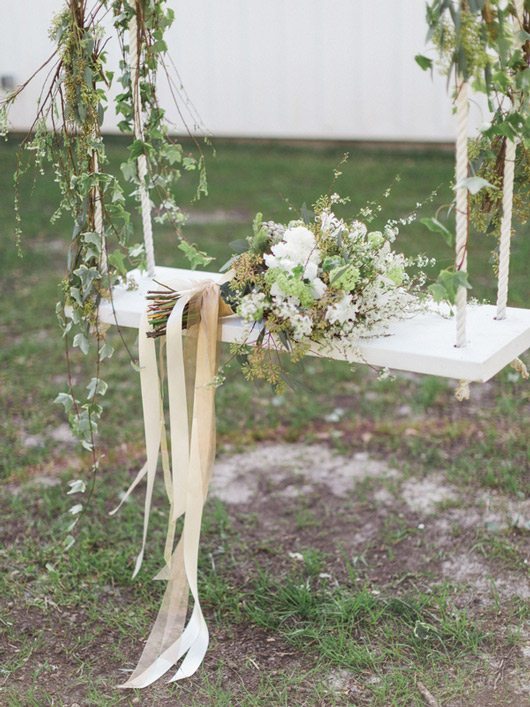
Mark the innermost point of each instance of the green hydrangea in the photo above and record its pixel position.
(396, 274)
(376, 239)
(291, 286)
(345, 277)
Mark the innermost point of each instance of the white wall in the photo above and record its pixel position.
(341, 69)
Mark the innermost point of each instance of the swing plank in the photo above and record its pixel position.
(422, 344)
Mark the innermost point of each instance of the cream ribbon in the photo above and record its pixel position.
(191, 369)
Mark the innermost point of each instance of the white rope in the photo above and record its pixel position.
(507, 205)
(506, 229)
(145, 201)
(462, 112)
(98, 219)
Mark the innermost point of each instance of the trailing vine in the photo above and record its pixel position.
(66, 135)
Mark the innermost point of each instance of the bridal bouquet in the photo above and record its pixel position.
(316, 283)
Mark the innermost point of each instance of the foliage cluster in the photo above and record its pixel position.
(66, 135)
(487, 43)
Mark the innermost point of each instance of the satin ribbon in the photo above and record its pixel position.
(191, 370)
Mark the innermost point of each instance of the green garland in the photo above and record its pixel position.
(479, 40)
(67, 136)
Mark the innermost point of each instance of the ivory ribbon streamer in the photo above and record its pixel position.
(191, 369)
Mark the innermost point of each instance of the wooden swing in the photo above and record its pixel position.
(487, 339)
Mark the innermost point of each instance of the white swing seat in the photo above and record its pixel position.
(422, 344)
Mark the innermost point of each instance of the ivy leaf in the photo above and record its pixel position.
(474, 184)
(66, 400)
(117, 259)
(106, 351)
(173, 154)
(194, 256)
(423, 62)
(447, 284)
(97, 386)
(77, 486)
(437, 292)
(128, 169)
(80, 341)
(94, 239)
(87, 276)
(436, 226)
(139, 147)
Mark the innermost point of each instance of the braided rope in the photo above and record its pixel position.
(98, 220)
(145, 201)
(506, 229)
(507, 206)
(462, 112)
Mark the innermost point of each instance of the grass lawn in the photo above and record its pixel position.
(406, 584)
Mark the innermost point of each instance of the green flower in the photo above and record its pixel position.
(344, 277)
(376, 239)
(396, 274)
(290, 286)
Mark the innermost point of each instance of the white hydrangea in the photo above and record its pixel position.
(345, 310)
(297, 247)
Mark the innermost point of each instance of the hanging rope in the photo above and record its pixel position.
(145, 201)
(98, 218)
(507, 204)
(462, 112)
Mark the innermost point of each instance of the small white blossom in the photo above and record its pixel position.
(358, 229)
(251, 306)
(343, 311)
(302, 325)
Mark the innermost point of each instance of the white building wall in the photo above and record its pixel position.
(333, 69)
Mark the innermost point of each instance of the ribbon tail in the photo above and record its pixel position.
(150, 386)
(139, 476)
(192, 453)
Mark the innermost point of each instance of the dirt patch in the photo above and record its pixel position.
(295, 469)
(469, 569)
(425, 495)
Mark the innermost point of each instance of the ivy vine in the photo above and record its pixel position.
(481, 41)
(66, 135)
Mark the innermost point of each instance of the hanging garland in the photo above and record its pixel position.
(487, 44)
(66, 135)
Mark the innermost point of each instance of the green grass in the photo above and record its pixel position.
(384, 633)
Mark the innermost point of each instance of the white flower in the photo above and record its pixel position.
(358, 229)
(319, 288)
(251, 306)
(297, 247)
(286, 308)
(302, 325)
(342, 311)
